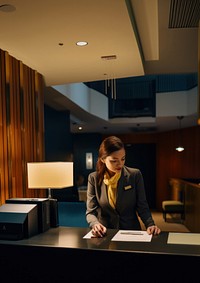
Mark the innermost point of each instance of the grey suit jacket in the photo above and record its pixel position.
(131, 202)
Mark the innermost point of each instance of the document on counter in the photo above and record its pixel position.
(88, 235)
(126, 236)
(132, 236)
(184, 238)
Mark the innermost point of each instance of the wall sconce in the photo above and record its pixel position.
(180, 148)
(50, 175)
(89, 160)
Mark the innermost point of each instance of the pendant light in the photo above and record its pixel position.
(180, 148)
(110, 81)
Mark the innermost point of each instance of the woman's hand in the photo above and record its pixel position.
(98, 230)
(153, 230)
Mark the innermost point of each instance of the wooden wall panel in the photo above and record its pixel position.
(3, 133)
(21, 126)
(191, 193)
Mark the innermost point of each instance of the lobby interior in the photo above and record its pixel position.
(55, 87)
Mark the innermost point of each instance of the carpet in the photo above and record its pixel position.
(173, 223)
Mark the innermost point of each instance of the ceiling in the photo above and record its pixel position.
(43, 35)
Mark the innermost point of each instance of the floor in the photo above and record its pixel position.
(173, 223)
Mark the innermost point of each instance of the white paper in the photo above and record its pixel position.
(132, 236)
(89, 235)
(184, 238)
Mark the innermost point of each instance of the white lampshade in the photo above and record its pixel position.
(54, 175)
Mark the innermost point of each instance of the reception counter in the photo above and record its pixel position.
(62, 255)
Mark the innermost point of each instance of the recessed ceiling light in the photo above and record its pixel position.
(80, 128)
(82, 43)
(7, 8)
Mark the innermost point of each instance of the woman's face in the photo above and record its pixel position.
(115, 161)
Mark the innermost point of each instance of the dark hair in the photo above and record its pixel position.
(107, 147)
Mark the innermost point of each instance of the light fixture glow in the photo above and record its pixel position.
(179, 148)
(89, 160)
(82, 43)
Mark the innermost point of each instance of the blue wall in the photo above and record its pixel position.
(58, 139)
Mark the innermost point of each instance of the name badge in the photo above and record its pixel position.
(128, 187)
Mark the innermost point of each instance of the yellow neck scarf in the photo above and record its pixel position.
(112, 188)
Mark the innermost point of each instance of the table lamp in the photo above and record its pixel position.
(50, 175)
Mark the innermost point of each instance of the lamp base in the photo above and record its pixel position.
(49, 193)
(53, 212)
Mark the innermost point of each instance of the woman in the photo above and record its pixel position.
(116, 194)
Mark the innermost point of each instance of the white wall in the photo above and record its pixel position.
(182, 103)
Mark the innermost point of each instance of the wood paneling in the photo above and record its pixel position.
(21, 126)
(191, 192)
